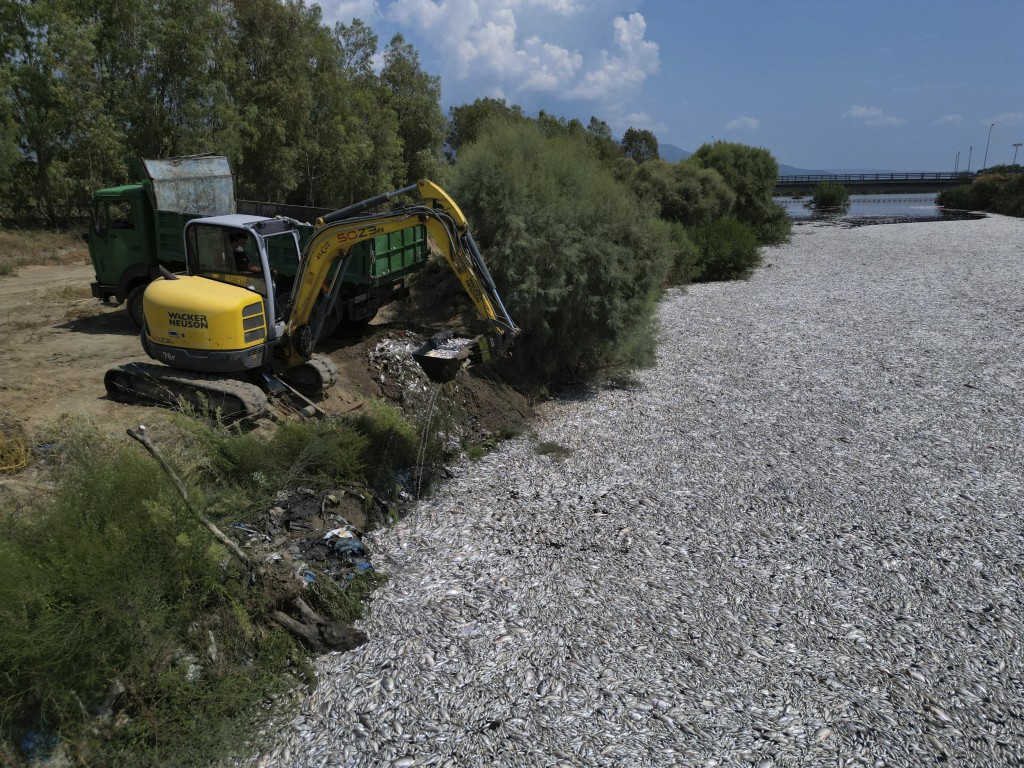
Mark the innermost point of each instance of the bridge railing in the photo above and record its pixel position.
(922, 176)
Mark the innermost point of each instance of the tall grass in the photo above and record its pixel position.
(110, 589)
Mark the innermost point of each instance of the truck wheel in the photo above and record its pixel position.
(133, 305)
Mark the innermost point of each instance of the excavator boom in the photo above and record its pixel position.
(328, 252)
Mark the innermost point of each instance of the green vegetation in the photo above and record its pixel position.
(998, 190)
(86, 87)
(751, 173)
(830, 194)
(729, 249)
(579, 263)
(111, 590)
(554, 450)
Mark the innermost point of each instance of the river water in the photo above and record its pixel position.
(874, 209)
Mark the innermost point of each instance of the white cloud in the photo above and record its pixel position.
(418, 14)
(346, 10)
(637, 58)
(949, 119)
(520, 47)
(643, 120)
(743, 124)
(872, 116)
(1007, 118)
(561, 7)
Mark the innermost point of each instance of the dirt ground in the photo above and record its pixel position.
(56, 342)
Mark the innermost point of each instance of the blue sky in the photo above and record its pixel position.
(823, 84)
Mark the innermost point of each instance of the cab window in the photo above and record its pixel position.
(120, 216)
(209, 250)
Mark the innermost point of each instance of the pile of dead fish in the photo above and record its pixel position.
(797, 540)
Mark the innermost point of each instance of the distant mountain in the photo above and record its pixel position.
(671, 153)
(789, 170)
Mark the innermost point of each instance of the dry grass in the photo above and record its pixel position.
(25, 247)
(14, 447)
(73, 293)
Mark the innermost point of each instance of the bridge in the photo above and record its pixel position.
(873, 183)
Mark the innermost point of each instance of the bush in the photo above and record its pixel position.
(772, 225)
(685, 255)
(995, 192)
(728, 248)
(751, 173)
(577, 260)
(116, 582)
(682, 192)
(829, 194)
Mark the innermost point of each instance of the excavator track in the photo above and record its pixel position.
(142, 382)
(312, 377)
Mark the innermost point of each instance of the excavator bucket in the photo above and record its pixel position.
(442, 355)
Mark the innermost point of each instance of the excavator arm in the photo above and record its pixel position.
(328, 252)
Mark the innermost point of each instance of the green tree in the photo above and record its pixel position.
(351, 148)
(602, 142)
(639, 144)
(466, 122)
(416, 99)
(273, 91)
(579, 263)
(357, 45)
(54, 98)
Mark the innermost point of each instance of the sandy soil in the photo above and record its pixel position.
(56, 341)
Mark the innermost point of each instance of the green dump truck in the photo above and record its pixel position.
(138, 228)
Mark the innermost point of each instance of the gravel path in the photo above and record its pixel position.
(796, 541)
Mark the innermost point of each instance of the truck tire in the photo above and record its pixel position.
(133, 305)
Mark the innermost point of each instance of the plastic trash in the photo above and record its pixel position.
(349, 546)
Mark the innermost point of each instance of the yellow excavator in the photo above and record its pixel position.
(232, 333)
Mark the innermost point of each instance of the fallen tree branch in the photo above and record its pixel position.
(143, 438)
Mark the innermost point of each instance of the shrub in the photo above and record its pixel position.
(995, 192)
(829, 194)
(114, 581)
(577, 260)
(685, 255)
(956, 197)
(728, 249)
(682, 192)
(751, 173)
(772, 225)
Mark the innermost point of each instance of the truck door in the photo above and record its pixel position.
(120, 232)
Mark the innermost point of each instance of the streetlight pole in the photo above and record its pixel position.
(984, 163)
(969, 153)
(1015, 148)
